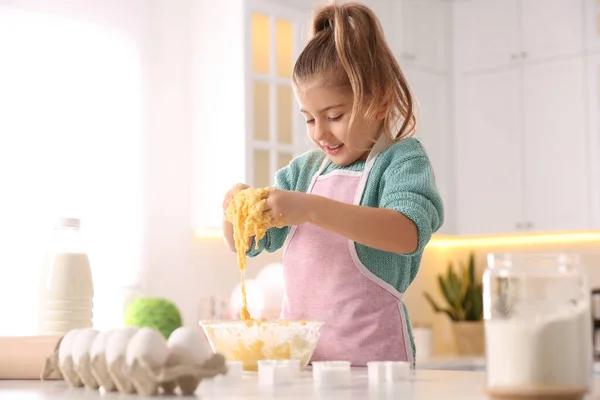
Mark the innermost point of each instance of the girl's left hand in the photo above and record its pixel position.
(287, 207)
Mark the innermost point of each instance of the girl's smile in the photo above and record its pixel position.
(332, 149)
(327, 109)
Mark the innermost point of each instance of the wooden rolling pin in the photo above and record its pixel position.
(24, 357)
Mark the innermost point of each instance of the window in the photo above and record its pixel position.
(276, 134)
(70, 139)
(247, 122)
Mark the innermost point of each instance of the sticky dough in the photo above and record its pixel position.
(246, 213)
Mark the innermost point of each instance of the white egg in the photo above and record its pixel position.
(190, 342)
(80, 355)
(100, 342)
(82, 344)
(116, 348)
(116, 344)
(149, 345)
(98, 366)
(65, 359)
(66, 345)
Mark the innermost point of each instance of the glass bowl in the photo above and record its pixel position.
(251, 341)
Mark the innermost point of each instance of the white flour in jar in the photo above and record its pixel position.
(553, 349)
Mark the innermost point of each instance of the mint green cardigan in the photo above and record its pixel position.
(401, 179)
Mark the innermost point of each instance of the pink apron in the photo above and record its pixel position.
(325, 280)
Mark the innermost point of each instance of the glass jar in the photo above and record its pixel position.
(537, 325)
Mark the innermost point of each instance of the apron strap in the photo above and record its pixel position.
(382, 144)
(324, 165)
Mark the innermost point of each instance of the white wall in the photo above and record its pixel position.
(172, 262)
(167, 161)
(67, 172)
(179, 85)
(184, 115)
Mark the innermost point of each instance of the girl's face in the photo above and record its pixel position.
(327, 111)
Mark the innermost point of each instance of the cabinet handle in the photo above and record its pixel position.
(408, 56)
(529, 225)
(519, 225)
(524, 54)
(514, 56)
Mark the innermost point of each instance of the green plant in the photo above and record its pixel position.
(462, 292)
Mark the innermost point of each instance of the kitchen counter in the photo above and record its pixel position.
(422, 385)
(465, 363)
(452, 362)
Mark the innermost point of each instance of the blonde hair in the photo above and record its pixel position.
(348, 46)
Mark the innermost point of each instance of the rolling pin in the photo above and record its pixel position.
(24, 357)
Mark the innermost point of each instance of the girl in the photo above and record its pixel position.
(354, 215)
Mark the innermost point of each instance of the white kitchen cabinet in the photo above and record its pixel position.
(417, 31)
(487, 153)
(430, 92)
(592, 25)
(388, 14)
(551, 28)
(422, 35)
(244, 111)
(520, 154)
(274, 131)
(493, 34)
(486, 34)
(555, 160)
(593, 119)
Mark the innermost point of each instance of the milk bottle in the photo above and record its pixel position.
(66, 289)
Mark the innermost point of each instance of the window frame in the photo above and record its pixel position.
(299, 20)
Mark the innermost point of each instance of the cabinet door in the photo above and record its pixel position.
(551, 28)
(433, 130)
(592, 25)
(488, 160)
(388, 13)
(485, 34)
(557, 195)
(593, 96)
(275, 132)
(423, 34)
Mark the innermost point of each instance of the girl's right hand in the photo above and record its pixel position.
(229, 196)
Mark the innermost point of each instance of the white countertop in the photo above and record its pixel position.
(423, 385)
(453, 362)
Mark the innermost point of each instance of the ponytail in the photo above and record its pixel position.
(348, 47)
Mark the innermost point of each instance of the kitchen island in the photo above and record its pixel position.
(422, 385)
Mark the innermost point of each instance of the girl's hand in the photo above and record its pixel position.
(288, 208)
(228, 226)
(229, 196)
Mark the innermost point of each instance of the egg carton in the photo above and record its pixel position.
(135, 360)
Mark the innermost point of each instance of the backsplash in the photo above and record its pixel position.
(204, 267)
(440, 252)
